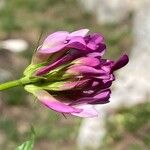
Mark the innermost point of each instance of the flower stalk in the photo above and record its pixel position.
(10, 84)
(20, 82)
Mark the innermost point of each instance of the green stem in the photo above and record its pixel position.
(10, 84)
(19, 82)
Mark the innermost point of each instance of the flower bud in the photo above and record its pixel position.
(72, 75)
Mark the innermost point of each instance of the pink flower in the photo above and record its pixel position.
(73, 76)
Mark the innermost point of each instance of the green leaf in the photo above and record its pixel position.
(28, 145)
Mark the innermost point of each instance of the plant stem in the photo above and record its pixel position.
(19, 82)
(10, 84)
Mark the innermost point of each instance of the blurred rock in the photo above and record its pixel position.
(133, 81)
(89, 5)
(3, 138)
(90, 133)
(107, 11)
(2, 3)
(4, 75)
(14, 45)
(11, 65)
(111, 11)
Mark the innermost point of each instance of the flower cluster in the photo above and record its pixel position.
(72, 75)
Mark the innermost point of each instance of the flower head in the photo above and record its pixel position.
(73, 76)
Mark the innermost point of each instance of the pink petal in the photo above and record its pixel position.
(91, 45)
(94, 54)
(97, 38)
(88, 61)
(81, 32)
(73, 84)
(54, 42)
(54, 65)
(53, 48)
(58, 106)
(58, 34)
(88, 111)
(82, 69)
(54, 104)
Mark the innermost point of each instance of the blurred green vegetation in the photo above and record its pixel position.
(50, 127)
(129, 128)
(28, 19)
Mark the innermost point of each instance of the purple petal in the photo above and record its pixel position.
(54, 104)
(91, 45)
(81, 69)
(88, 61)
(87, 111)
(84, 100)
(101, 48)
(106, 84)
(101, 97)
(96, 42)
(77, 43)
(94, 54)
(103, 77)
(107, 69)
(48, 68)
(81, 32)
(74, 84)
(97, 38)
(121, 62)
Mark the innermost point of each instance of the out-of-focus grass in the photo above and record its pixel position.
(129, 129)
(28, 18)
(15, 96)
(51, 128)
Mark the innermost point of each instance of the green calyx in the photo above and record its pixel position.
(53, 80)
(20, 82)
(32, 68)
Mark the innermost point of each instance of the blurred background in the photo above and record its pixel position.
(23, 25)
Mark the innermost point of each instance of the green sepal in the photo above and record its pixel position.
(53, 86)
(56, 86)
(59, 74)
(32, 68)
(32, 88)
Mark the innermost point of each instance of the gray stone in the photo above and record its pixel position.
(14, 45)
(4, 75)
(111, 11)
(2, 4)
